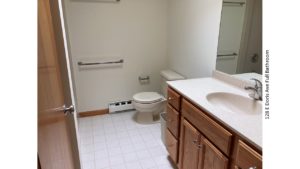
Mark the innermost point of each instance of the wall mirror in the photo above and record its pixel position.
(240, 37)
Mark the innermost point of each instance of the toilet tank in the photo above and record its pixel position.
(168, 75)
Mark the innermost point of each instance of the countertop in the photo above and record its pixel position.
(247, 125)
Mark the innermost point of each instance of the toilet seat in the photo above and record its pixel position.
(147, 97)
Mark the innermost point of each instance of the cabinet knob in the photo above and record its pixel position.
(252, 167)
(170, 98)
(197, 144)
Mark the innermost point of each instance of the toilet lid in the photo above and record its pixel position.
(147, 97)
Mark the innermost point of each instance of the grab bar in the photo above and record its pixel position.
(100, 63)
(232, 54)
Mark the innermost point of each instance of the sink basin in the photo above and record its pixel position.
(234, 103)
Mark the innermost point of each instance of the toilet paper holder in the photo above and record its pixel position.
(142, 78)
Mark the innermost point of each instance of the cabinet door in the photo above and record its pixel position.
(210, 157)
(247, 157)
(171, 145)
(189, 150)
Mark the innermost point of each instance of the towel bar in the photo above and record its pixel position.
(100, 63)
(232, 54)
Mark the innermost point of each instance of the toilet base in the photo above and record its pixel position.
(146, 118)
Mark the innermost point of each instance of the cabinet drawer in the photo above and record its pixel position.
(247, 157)
(173, 121)
(174, 99)
(212, 130)
(172, 145)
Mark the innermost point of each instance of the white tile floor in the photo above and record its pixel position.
(116, 141)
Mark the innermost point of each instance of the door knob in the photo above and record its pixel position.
(69, 109)
(254, 58)
(64, 108)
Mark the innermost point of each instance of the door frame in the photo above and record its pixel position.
(69, 68)
(66, 73)
(245, 36)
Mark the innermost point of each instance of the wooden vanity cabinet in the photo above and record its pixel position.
(196, 140)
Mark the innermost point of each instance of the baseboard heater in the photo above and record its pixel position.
(120, 106)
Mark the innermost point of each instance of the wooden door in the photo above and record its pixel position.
(57, 144)
(189, 146)
(210, 157)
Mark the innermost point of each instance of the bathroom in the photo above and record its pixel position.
(120, 53)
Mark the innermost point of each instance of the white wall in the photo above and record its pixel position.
(194, 29)
(135, 30)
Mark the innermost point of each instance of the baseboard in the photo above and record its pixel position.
(93, 113)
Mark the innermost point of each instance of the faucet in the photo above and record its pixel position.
(257, 95)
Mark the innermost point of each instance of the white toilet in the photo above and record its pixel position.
(150, 104)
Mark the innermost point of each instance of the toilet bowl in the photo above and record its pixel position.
(148, 106)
